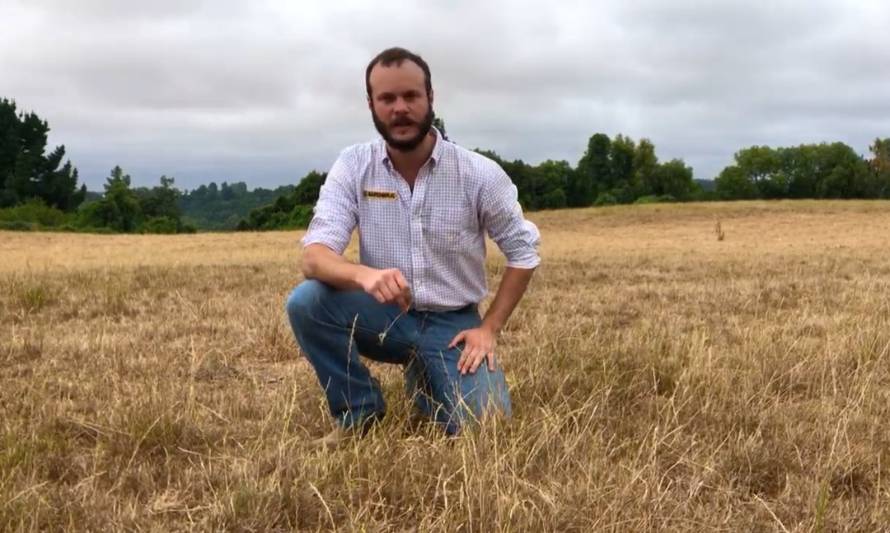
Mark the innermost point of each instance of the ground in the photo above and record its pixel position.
(663, 378)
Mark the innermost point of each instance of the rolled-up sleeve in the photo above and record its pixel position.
(336, 212)
(502, 218)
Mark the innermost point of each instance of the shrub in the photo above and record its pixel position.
(35, 212)
(17, 225)
(166, 225)
(605, 198)
(301, 215)
(653, 199)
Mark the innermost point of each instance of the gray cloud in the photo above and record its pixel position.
(265, 91)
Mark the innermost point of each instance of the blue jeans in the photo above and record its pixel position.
(333, 327)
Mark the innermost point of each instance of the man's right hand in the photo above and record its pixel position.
(386, 286)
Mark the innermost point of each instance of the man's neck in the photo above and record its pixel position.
(408, 163)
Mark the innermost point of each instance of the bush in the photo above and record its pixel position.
(653, 199)
(605, 198)
(555, 199)
(165, 225)
(17, 225)
(301, 215)
(35, 212)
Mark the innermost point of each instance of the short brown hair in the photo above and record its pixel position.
(398, 55)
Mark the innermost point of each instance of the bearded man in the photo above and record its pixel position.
(422, 206)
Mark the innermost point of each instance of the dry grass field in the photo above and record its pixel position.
(662, 379)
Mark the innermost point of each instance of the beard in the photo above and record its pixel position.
(407, 145)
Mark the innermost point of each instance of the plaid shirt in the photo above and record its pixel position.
(434, 235)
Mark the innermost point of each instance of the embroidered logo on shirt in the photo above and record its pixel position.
(380, 195)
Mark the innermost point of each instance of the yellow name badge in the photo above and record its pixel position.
(380, 195)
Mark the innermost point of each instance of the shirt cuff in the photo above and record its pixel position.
(526, 263)
(325, 240)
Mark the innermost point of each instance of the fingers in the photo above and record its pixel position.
(457, 338)
(477, 348)
(397, 294)
(402, 285)
(472, 358)
(483, 355)
(472, 361)
(378, 296)
(400, 280)
(466, 359)
(390, 287)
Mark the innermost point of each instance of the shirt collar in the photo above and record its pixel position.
(434, 156)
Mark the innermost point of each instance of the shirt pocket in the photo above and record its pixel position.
(448, 229)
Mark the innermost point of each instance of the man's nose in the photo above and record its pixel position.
(400, 106)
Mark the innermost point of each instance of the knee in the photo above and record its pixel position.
(304, 300)
(489, 395)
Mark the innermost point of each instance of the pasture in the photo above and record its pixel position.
(662, 379)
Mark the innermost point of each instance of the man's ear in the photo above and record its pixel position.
(430, 97)
(370, 104)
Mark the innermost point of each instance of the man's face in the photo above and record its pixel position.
(400, 107)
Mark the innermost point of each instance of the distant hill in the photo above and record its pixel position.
(221, 207)
(91, 196)
(707, 185)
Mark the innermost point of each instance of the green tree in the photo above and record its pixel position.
(846, 174)
(119, 208)
(801, 170)
(674, 179)
(762, 165)
(160, 207)
(880, 166)
(593, 173)
(290, 210)
(549, 182)
(645, 164)
(734, 184)
(26, 171)
(307, 190)
(621, 169)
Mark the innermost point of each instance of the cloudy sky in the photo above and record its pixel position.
(264, 91)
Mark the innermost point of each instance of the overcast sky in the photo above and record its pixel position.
(264, 91)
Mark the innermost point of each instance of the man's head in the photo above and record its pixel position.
(400, 97)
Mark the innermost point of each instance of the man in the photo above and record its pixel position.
(422, 206)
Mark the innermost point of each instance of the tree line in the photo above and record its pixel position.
(611, 171)
(807, 171)
(624, 171)
(39, 188)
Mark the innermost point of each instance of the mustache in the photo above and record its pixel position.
(402, 121)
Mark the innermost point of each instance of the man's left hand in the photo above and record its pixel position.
(479, 345)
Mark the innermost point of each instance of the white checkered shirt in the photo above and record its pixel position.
(436, 235)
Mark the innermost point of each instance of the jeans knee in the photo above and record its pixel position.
(489, 394)
(304, 300)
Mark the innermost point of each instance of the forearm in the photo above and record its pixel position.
(323, 264)
(514, 282)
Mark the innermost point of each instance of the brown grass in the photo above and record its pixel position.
(662, 380)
